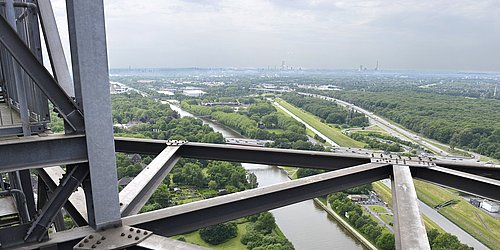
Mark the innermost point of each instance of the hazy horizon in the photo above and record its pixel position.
(316, 34)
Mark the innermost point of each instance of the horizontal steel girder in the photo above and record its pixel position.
(42, 78)
(478, 185)
(139, 190)
(247, 154)
(38, 152)
(188, 217)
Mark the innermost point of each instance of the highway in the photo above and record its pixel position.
(398, 132)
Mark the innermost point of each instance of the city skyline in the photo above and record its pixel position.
(437, 35)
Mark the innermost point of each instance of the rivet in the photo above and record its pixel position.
(138, 231)
(145, 233)
(103, 238)
(136, 237)
(131, 229)
(93, 246)
(123, 234)
(129, 236)
(80, 245)
(98, 242)
(91, 236)
(85, 240)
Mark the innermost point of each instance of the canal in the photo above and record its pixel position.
(305, 224)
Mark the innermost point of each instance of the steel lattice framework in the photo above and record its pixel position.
(87, 186)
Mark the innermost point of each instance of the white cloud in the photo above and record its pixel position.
(440, 34)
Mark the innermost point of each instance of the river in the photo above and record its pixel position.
(305, 224)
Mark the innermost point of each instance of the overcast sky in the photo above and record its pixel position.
(400, 34)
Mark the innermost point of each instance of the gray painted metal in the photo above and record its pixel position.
(90, 71)
(191, 216)
(76, 205)
(29, 62)
(248, 154)
(409, 229)
(114, 238)
(139, 190)
(69, 184)
(50, 147)
(54, 47)
(20, 87)
(469, 183)
(18, 130)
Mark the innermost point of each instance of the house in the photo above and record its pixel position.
(490, 206)
(358, 197)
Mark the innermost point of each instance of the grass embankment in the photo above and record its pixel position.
(385, 193)
(333, 133)
(471, 219)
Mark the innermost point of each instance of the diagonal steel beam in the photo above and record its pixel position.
(469, 183)
(248, 154)
(191, 216)
(409, 229)
(42, 78)
(475, 168)
(75, 206)
(54, 47)
(69, 184)
(139, 190)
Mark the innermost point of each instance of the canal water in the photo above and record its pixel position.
(305, 224)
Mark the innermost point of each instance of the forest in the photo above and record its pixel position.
(466, 123)
(259, 120)
(328, 111)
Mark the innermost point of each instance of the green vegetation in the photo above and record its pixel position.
(232, 244)
(365, 224)
(457, 121)
(328, 111)
(260, 121)
(333, 133)
(219, 233)
(463, 214)
(264, 234)
(377, 209)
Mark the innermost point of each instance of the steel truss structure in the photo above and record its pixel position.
(77, 170)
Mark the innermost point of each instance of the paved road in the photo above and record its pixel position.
(397, 131)
(307, 125)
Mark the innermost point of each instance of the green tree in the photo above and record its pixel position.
(219, 233)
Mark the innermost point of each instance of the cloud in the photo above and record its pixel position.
(438, 34)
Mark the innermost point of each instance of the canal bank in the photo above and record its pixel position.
(305, 224)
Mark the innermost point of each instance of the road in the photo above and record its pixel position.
(307, 125)
(396, 131)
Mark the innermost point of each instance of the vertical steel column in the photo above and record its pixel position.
(91, 76)
(21, 91)
(409, 229)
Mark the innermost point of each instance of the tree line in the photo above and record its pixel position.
(458, 121)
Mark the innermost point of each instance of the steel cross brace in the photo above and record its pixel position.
(68, 185)
(42, 78)
(139, 190)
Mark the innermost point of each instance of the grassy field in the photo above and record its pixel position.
(234, 243)
(385, 193)
(277, 131)
(334, 134)
(473, 220)
(377, 209)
